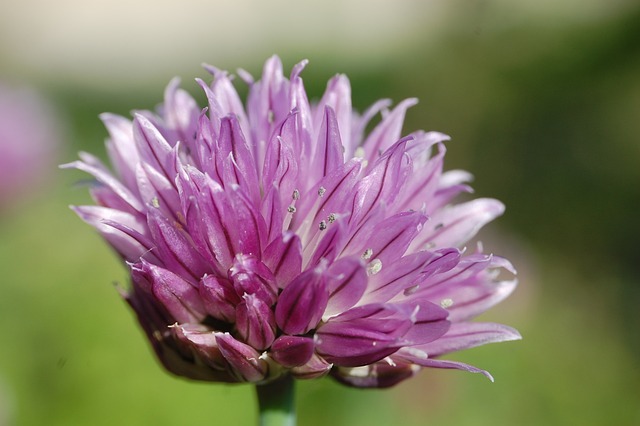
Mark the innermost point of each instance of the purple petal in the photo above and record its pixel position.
(407, 272)
(203, 342)
(346, 282)
(121, 147)
(330, 195)
(284, 258)
(267, 104)
(236, 159)
(249, 231)
(158, 192)
(302, 303)
(382, 374)
(174, 248)
(351, 346)
(178, 296)
(388, 131)
(454, 226)
(439, 363)
(273, 214)
(130, 245)
(329, 245)
(255, 322)
(390, 238)
(215, 110)
(449, 273)
(337, 96)
(244, 360)
(364, 334)
(153, 147)
(423, 182)
(207, 213)
(429, 324)
(219, 298)
(315, 368)
(468, 289)
(383, 182)
(202, 153)
(227, 97)
(300, 104)
(471, 300)
(180, 112)
(292, 351)
(123, 198)
(328, 154)
(280, 170)
(360, 123)
(467, 335)
(249, 275)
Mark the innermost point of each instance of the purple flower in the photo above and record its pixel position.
(29, 143)
(281, 238)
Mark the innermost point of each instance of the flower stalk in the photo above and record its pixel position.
(276, 402)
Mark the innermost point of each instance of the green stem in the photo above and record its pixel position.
(276, 402)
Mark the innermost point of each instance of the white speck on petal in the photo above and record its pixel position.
(446, 303)
(367, 254)
(374, 267)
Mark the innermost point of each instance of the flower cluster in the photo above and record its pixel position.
(283, 239)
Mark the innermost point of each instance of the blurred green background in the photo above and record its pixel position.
(542, 101)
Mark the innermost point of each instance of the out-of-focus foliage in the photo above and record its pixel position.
(545, 116)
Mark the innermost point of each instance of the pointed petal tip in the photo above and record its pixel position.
(173, 85)
(107, 116)
(70, 165)
(245, 76)
(488, 376)
(409, 102)
(211, 69)
(298, 68)
(512, 335)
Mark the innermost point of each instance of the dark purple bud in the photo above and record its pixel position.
(250, 276)
(203, 343)
(315, 368)
(179, 297)
(219, 298)
(292, 351)
(255, 322)
(243, 359)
